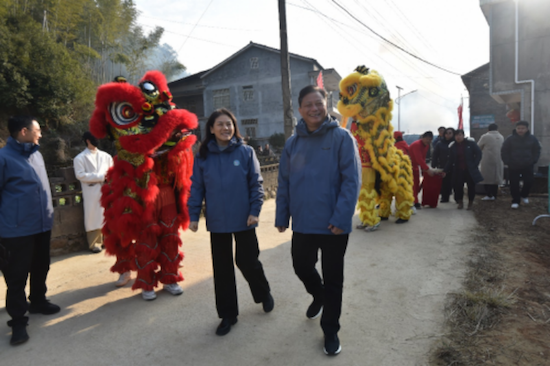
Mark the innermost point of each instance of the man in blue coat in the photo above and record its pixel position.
(26, 217)
(319, 182)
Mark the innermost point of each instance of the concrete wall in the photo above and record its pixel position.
(481, 103)
(534, 56)
(267, 105)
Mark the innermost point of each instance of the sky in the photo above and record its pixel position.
(451, 34)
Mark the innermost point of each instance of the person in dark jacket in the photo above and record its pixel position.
(319, 182)
(520, 152)
(464, 158)
(226, 174)
(26, 218)
(439, 161)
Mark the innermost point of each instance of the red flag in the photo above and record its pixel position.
(460, 122)
(320, 80)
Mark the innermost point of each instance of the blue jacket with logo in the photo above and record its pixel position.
(25, 196)
(230, 182)
(319, 179)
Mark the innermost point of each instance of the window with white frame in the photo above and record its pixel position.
(249, 122)
(221, 98)
(250, 131)
(248, 93)
(254, 63)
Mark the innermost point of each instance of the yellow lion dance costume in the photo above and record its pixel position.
(387, 171)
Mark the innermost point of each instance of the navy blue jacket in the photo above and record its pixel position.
(472, 156)
(25, 195)
(441, 154)
(230, 182)
(319, 179)
(520, 151)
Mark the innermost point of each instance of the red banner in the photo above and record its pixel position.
(320, 80)
(460, 122)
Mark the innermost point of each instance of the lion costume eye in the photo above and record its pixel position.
(373, 92)
(352, 89)
(122, 113)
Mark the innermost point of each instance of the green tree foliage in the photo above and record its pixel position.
(277, 140)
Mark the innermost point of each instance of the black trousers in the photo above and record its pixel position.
(491, 190)
(28, 254)
(246, 258)
(459, 178)
(446, 187)
(305, 248)
(515, 175)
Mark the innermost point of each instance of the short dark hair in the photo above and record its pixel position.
(88, 136)
(441, 128)
(209, 136)
(310, 89)
(459, 131)
(428, 134)
(522, 123)
(493, 127)
(17, 123)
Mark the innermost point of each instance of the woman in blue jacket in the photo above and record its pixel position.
(226, 174)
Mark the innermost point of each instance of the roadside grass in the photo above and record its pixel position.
(477, 307)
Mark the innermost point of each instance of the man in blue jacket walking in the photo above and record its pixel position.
(319, 182)
(26, 217)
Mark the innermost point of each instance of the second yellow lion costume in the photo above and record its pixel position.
(386, 170)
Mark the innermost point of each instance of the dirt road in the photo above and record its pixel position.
(396, 280)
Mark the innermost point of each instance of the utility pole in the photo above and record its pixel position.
(285, 73)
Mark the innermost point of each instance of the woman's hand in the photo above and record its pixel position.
(281, 229)
(252, 220)
(194, 226)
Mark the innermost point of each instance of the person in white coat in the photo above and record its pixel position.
(491, 166)
(90, 167)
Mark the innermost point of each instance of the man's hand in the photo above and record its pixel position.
(252, 220)
(430, 172)
(443, 174)
(281, 229)
(194, 226)
(335, 230)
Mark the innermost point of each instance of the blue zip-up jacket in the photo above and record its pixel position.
(230, 182)
(319, 179)
(25, 196)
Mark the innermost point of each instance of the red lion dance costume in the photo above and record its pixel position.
(146, 191)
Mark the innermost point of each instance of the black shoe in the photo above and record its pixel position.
(383, 218)
(268, 303)
(225, 326)
(46, 308)
(332, 345)
(315, 309)
(418, 206)
(401, 221)
(444, 201)
(19, 334)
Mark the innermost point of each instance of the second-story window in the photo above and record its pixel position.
(248, 93)
(221, 98)
(254, 63)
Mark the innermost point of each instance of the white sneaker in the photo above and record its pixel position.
(487, 198)
(173, 288)
(368, 229)
(361, 226)
(123, 279)
(525, 200)
(414, 210)
(515, 205)
(148, 295)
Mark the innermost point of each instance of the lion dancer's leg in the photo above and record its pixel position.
(404, 198)
(367, 200)
(385, 201)
(170, 255)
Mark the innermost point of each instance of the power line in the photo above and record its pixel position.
(202, 25)
(189, 36)
(393, 44)
(195, 26)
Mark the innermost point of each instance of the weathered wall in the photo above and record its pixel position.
(270, 173)
(533, 55)
(68, 233)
